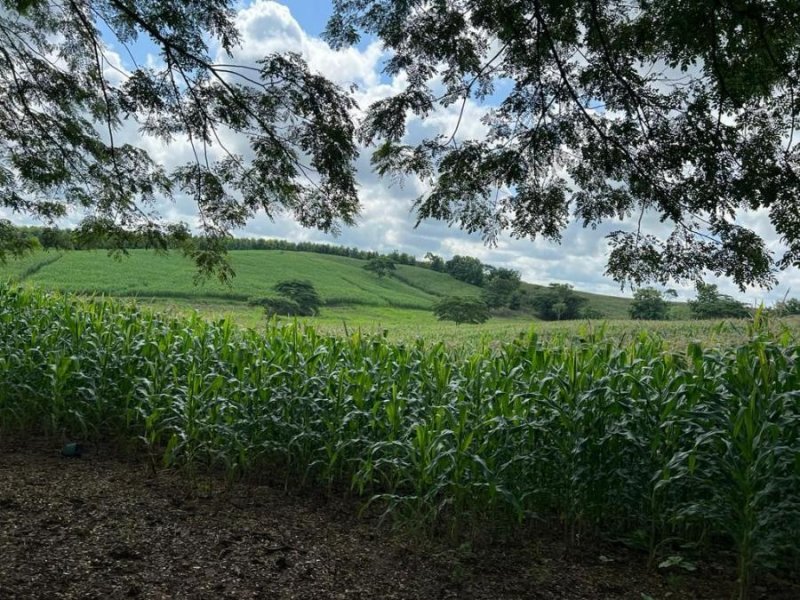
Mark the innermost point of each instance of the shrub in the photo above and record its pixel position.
(461, 309)
(301, 292)
(284, 307)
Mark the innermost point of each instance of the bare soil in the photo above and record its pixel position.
(104, 527)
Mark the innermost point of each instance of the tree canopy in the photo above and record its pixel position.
(711, 304)
(461, 309)
(685, 111)
(557, 302)
(649, 304)
(380, 266)
(63, 101)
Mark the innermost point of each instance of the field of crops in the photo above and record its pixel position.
(680, 453)
(145, 274)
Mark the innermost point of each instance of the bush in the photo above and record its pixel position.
(710, 304)
(649, 304)
(557, 302)
(380, 266)
(461, 309)
(284, 307)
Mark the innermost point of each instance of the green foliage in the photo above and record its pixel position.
(710, 304)
(300, 293)
(435, 262)
(15, 243)
(280, 306)
(649, 304)
(680, 109)
(673, 449)
(461, 309)
(788, 307)
(467, 269)
(65, 152)
(556, 302)
(380, 266)
(501, 287)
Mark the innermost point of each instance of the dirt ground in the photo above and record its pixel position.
(102, 527)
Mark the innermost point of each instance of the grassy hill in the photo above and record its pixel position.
(340, 281)
(352, 296)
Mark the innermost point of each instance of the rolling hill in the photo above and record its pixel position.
(342, 282)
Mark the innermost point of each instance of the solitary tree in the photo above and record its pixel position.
(302, 293)
(711, 304)
(684, 110)
(461, 309)
(649, 304)
(380, 266)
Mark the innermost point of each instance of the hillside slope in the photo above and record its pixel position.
(339, 280)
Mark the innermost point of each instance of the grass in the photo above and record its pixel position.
(339, 280)
(691, 452)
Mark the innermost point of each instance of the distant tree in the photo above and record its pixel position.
(285, 307)
(467, 269)
(461, 309)
(15, 242)
(710, 304)
(500, 288)
(435, 263)
(380, 266)
(301, 292)
(557, 302)
(591, 313)
(54, 238)
(649, 304)
(788, 307)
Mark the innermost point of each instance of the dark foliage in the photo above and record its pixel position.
(301, 293)
(380, 266)
(557, 302)
(686, 111)
(466, 268)
(501, 288)
(649, 304)
(710, 304)
(461, 309)
(281, 306)
(60, 123)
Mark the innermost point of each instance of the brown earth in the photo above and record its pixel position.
(103, 527)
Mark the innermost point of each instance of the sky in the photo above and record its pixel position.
(386, 222)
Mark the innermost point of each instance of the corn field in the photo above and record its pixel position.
(697, 450)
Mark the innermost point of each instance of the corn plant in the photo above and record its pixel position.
(632, 439)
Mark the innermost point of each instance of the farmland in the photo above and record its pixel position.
(353, 300)
(687, 453)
